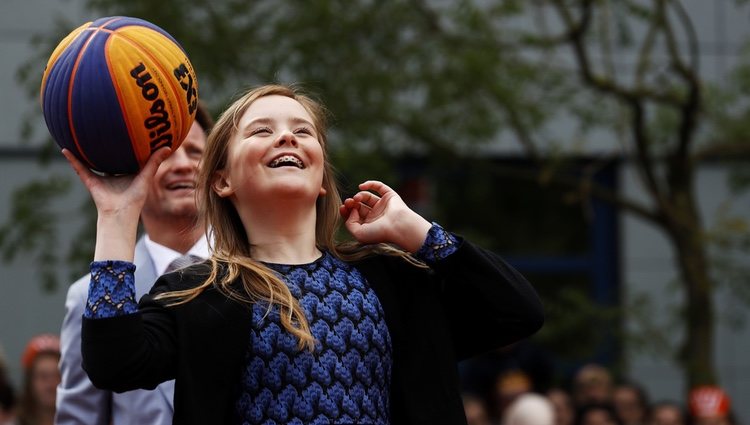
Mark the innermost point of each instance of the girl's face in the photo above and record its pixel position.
(275, 154)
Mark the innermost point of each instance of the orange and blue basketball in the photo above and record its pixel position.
(117, 89)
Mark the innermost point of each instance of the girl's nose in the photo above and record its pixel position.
(287, 138)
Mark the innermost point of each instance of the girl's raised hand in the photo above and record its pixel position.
(119, 201)
(114, 195)
(377, 214)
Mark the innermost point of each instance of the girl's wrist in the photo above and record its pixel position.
(115, 237)
(412, 232)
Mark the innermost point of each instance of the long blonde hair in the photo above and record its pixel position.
(231, 246)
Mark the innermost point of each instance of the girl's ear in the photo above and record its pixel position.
(322, 191)
(221, 185)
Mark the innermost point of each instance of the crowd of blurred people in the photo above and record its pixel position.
(593, 397)
(515, 397)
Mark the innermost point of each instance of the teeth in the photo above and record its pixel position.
(180, 186)
(286, 159)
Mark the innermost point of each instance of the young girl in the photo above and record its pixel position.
(283, 324)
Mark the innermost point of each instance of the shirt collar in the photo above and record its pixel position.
(163, 256)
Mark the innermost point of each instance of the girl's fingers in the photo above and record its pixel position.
(86, 176)
(377, 186)
(344, 211)
(367, 198)
(363, 210)
(346, 208)
(355, 205)
(154, 161)
(75, 163)
(149, 169)
(352, 206)
(353, 219)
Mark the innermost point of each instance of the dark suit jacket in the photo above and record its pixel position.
(468, 303)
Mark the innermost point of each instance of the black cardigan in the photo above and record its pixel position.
(471, 302)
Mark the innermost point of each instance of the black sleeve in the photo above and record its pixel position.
(488, 303)
(135, 350)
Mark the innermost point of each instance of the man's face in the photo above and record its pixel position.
(172, 193)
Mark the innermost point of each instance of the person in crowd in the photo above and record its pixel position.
(284, 324)
(563, 404)
(476, 411)
(592, 384)
(7, 394)
(666, 413)
(171, 239)
(597, 414)
(508, 386)
(7, 404)
(479, 374)
(529, 409)
(40, 380)
(631, 403)
(710, 405)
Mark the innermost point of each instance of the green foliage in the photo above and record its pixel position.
(428, 77)
(398, 76)
(569, 329)
(647, 335)
(728, 110)
(31, 226)
(739, 179)
(729, 237)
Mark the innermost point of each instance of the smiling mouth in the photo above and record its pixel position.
(180, 185)
(287, 161)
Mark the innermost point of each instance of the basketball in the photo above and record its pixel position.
(117, 89)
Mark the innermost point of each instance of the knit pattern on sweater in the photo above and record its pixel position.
(347, 377)
(111, 290)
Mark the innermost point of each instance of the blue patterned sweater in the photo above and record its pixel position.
(346, 379)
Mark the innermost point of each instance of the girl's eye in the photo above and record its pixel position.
(261, 130)
(303, 130)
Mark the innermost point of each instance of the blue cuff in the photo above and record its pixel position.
(438, 245)
(111, 291)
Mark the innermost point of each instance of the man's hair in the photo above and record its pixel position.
(203, 117)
